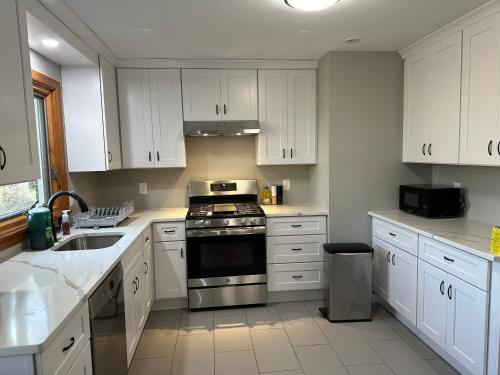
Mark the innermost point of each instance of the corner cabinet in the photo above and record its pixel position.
(219, 94)
(287, 117)
(18, 141)
(151, 118)
(432, 103)
(91, 120)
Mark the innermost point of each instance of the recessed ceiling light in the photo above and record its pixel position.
(310, 5)
(352, 40)
(51, 43)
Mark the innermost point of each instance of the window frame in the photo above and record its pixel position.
(15, 229)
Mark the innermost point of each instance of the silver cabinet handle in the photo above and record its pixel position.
(216, 109)
(490, 148)
(169, 231)
(296, 225)
(448, 259)
(389, 257)
(225, 109)
(429, 149)
(297, 277)
(110, 157)
(4, 156)
(297, 249)
(182, 253)
(147, 268)
(149, 156)
(393, 259)
(498, 148)
(423, 149)
(392, 234)
(291, 153)
(441, 287)
(70, 345)
(284, 153)
(158, 155)
(450, 292)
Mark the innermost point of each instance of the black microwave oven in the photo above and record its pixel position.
(431, 201)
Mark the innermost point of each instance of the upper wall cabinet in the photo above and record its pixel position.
(432, 103)
(151, 118)
(18, 147)
(480, 122)
(219, 94)
(287, 116)
(91, 117)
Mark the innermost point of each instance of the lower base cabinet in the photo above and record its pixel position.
(395, 278)
(83, 364)
(453, 314)
(170, 269)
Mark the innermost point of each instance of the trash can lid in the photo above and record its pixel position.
(349, 247)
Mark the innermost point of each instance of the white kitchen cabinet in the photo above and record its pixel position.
(396, 278)
(151, 118)
(91, 120)
(467, 323)
(219, 94)
(432, 103)
(479, 132)
(83, 364)
(18, 141)
(295, 276)
(431, 314)
(148, 281)
(287, 116)
(170, 269)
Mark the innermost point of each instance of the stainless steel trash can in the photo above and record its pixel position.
(348, 282)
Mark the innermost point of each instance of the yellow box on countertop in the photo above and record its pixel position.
(495, 240)
(495, 233)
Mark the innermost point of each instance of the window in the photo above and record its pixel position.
(16, 199)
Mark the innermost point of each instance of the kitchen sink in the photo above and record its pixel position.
(89, 242)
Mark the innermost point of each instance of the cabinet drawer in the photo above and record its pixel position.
(292, 226)
(295, 276)
(131, 254)
(169, 232)
(467, 267)
(293, 249)
(402, 238)
(147, 238)
(59, 357)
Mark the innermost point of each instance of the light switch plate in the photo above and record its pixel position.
(143, 188)
(286, 184)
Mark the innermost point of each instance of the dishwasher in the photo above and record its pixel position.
(107, 326)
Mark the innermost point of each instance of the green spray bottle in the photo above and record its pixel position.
(40, 228)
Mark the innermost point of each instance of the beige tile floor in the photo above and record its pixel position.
(280, 339)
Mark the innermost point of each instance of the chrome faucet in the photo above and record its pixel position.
(81, 203)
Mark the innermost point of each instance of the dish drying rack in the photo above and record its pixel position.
(99, 217)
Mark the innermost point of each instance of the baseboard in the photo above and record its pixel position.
(170, 304)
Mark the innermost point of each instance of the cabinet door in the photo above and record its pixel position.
(148, 279)
(382, 264)
(302, 116)
(135, 118)
(18, 142)
(467, 322)
(404, 291)
(170, 269)
(83, 364)
(166, 104)
(417, 107)
(239, 94)
(201, 94)
(445, 124)
(480, 92)
(432, 302)
(130, 286)
(109, 101)
(138, 297)
(272, 147)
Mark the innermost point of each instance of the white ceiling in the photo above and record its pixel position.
(260, 29)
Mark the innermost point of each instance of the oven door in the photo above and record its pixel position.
(227, 256)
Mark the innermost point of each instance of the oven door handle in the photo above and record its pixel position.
(212, 232)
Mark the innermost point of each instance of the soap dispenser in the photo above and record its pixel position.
(65, 223)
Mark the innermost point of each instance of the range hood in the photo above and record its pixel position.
(220, 128)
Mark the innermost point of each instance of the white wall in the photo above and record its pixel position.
(45, 66)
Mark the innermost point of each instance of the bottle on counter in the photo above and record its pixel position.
(40, 228)
(274, 194)
(266, 195)
(65, 223)
(279, 194)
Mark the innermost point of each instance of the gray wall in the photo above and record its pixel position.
(45, 66)
(207, 159)
(366, 126)
(482, 188)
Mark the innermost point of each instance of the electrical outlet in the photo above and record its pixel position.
(457, 185)
(286, 184)
(143, 188)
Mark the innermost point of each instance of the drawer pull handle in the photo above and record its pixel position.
(297, 277)
(147, 268)
(169, 231)
(448, 259)
(441, 288)
(147, 239)
(72, 342)
(392, 234)
(297, 249)
(393, 259)
(296, 225)
(389, 257)
(449, 292)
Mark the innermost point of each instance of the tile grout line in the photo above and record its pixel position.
(253, 346)
(175, 347)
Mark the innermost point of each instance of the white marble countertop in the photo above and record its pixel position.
(466, 234)
(39, 291)
(302, 209)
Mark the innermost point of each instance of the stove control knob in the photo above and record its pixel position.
(206, 222)
(226, 222)
(253, 221)
(198, 222)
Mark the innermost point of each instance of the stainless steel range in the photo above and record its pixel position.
(226, 244)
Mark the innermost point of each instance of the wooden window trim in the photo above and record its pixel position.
(15, 230)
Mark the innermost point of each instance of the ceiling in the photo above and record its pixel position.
(260, 29)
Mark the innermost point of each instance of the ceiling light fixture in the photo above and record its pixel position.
(51, 43)
(310, 5)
